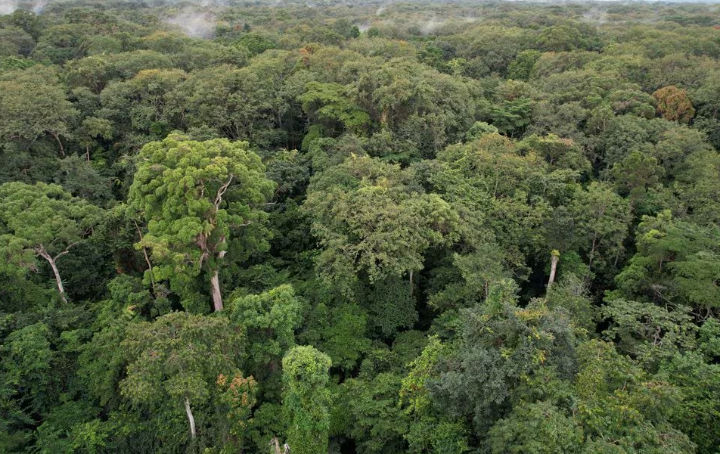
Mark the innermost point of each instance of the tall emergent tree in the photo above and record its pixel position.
(201, 200)
(306, 399)
(42, 220)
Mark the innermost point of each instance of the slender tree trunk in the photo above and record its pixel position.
(592, 252)
(147, 259)
(411, 283)
(58, 281)
(554, 259)
(190, 417)
(57, 139)
(215, 289)
(275, 444)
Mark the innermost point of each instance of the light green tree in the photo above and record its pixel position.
(270, 320)
(676, 262)
(201, 200)
(306, 399)
(42, 220)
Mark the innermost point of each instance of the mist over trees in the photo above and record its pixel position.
(359, 227)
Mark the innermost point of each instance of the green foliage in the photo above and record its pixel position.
(535, 428)
(306, 399)
(493, 228)
(270, 320)
(376, 422)
(327, 103)
(33, 104)
(180, 352)
(339, 332)
(238, 397)
(572, 294)
(602, 219)
(370, 221)
(521, 68)
(697, 381)
(648, 332)
(202, 200)
(26, 365)
(636, 175)
(478, 129)
(42, 221)
(620, 402)
(414, 392)
(674, 262)
(183, 359)
(559, 153)
(510, 117)
(256, 43)
(501, 344)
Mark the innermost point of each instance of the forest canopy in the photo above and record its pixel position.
(359, 227)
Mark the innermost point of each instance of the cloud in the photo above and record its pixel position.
(8, 6)
(193, 23)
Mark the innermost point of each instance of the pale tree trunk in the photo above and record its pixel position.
(147, 259)
(57, 139)
(215, 289)
(58, 280)
(202, 242)
(554, 259)
(592, 252)
(51, 260)
(384, 118)
(275, 444)
(190, 417)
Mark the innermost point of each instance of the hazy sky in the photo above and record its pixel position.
(8, 6)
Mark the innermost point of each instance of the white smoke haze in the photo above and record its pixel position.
(596, 16)
(9, 6)
(37, 6)
(195, 26)
(193, 23)
(431, 25)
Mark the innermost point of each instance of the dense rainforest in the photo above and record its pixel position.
(359, 227)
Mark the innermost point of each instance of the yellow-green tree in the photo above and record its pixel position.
(201, 201)
(306, 399)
